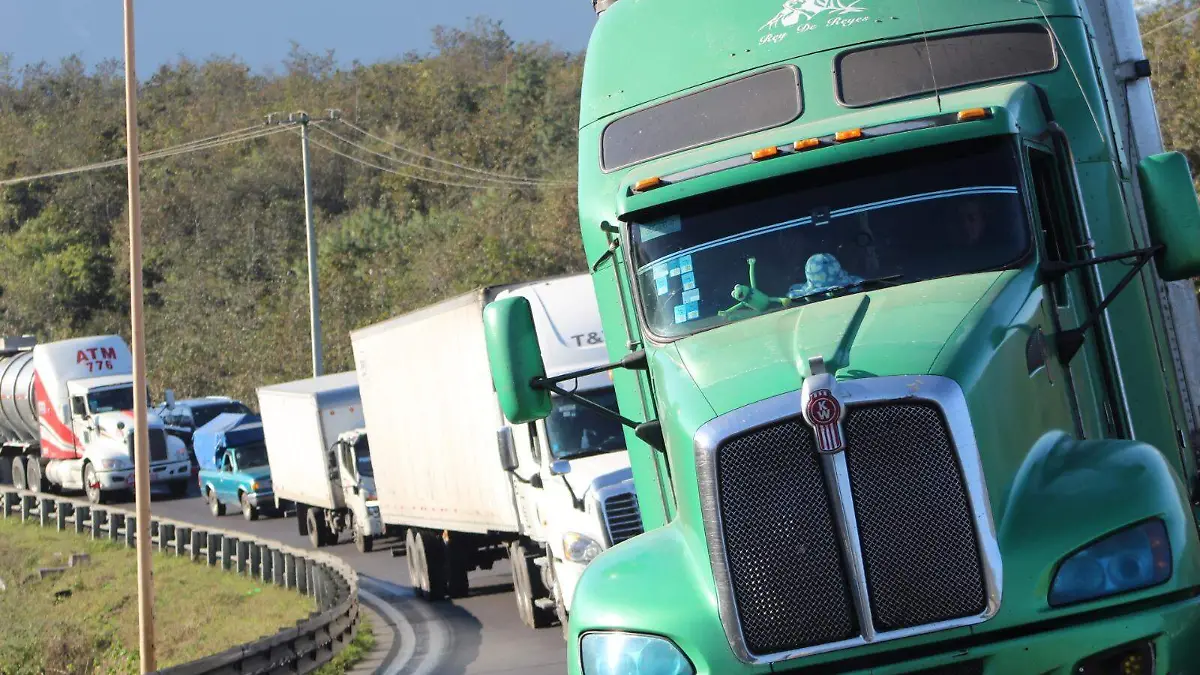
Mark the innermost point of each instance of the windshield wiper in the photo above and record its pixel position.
(865, 284)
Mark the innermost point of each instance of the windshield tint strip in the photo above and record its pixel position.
(862, 208)
(764, 100)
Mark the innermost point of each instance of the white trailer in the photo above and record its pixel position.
(320, 460)
(472, 489)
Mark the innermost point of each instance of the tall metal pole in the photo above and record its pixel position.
(313, 302)
(145, 572)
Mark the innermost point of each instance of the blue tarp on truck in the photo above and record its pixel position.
(228, 430)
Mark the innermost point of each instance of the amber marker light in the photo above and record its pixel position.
(972, 114)
(806, 144)
(764, 153)
(646, 184)
(848, 135)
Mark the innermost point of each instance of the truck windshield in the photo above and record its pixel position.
(251, 457)
(110, 400)
(362, 457)
(204, 414)
(936, 212)
(576, 431)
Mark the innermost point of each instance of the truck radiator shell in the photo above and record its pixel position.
(158, 445)
(791, 582)
(622, 519)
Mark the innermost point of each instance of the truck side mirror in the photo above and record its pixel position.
(508, 449)
(560, 467)
(170, 394)
(1172, 214)
(516, 360)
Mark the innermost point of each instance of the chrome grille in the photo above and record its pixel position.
(785, 565)
(914, 519)
(158, 445)
(622, 517)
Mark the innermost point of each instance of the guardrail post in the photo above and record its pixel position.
(131, 526)
(154, 532)
(45, 507)
(255, 558)
(10, 503)
(116, 521)
(279, 567)
(60, 515)
(243, 557)
(199, 538)
(213, 548)
(183, 537)
(302, 575)
(82, 514)
(99, 520)
(289, 571)
(268, 563)
(228, 551)
(166, 534)
(27, 504)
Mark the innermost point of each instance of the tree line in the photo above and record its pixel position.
(225, 268)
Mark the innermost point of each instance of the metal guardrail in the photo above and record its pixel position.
(295, 651)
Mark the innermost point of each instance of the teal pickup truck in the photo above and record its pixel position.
(233, 465)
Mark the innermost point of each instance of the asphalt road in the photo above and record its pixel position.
(477, 635)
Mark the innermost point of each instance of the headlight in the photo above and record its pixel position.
(626, 654)
(181, 454)
(112, 464)
(1135, 558)
(580, 548)
(373, 511)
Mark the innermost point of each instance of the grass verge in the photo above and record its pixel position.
(86, 619)
(356, 651)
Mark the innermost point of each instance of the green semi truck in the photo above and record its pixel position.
(897, 302)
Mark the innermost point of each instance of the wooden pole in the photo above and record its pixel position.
(145, 572)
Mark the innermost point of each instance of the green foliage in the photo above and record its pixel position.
(355, 652)
(224, 236)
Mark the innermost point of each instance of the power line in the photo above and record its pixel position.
(446, 172)
(446, 162)
(364, 162)
(192, 146)
(1176, 20)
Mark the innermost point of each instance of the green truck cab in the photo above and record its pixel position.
(891, 286)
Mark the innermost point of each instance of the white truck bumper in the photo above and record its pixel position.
(568, 574)
(159, 474)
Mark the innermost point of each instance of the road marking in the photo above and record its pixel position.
(401, 627)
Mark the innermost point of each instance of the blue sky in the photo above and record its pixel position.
(260, 32)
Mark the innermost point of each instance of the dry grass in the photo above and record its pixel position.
(86, 620)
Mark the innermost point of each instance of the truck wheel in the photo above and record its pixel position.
(318, 532)
(362, 542)
(302, 520)
(415, 573)
(248, 511)
(18, 473)
(528, 587)
(91, 485)
(431, 565)
(33, 476)
(560, 605)
(215, 506)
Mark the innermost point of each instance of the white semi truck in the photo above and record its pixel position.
(471, 489)
(66, 420)
(320, 458)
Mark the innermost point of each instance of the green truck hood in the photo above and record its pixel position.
(893, 331)
(258, 473)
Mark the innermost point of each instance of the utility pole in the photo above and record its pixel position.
(314, 305)
(141, 454)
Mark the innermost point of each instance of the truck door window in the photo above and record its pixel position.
(226, 463)
(1055, 223)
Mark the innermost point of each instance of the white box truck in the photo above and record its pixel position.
(471, 489)
(320, 458)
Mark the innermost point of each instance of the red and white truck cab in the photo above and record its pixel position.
(66, 420)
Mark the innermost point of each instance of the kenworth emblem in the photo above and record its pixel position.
(822, 409)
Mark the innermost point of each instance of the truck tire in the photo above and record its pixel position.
(528, 587)
(560, 605)
(302, 520)
(34, 479)
(430, 562)
(249, 512)
(91, 485)
(18, 473)
(362, 542)
(415, 574)
(318, 531)
(215, 506)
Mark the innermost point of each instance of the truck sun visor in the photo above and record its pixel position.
(878, 74)
(761, 101)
